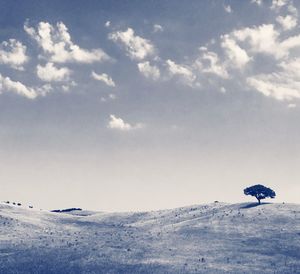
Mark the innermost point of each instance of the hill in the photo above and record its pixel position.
(212, 238)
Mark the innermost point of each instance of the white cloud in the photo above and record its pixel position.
(261, 39)
(103, 78)
(120, 124)
(50, 73)
(107, 24)
(223, 90)
(237, 56)
(276, 4)
(292, 9)
(283, 85)
(112, 96)
(228, 9)
(289, 44)
(288, 22)
(157, 28)
(258, 2)
(282, 79)
(66, 87)
(291, 67)
(57, 44)
(292, 105)
(44, 90)
(13, 53)
(149, 71)
(209, 62)
(182, 71)
(6, 84)
(137, 47)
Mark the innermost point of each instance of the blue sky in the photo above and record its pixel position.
(134, 105)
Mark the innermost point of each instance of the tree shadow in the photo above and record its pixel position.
(253, 205)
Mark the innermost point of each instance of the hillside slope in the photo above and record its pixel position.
(212, 238)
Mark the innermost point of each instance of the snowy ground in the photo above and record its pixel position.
(212, 238)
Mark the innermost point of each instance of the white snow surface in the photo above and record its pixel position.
(211, 238)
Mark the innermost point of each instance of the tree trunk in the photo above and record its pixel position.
(258, 201)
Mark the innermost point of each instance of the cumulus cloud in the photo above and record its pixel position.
(58, 46)
(257, 2)
(289, 44)
(261, 39)
(282, 80)
(183, 71)
(283, 84)
(292, 9)
(276, 4)
(223, 90)
(157, 28)
(137, 48)
(209, 62)
(237, 56)
(13, 53)
(49, 73)
(149, 71)
(228, 9)
(66, 87)
(103, 78)
(119, 124)
(110, 97)
(288, 22)
(274, 85)
(8, 85)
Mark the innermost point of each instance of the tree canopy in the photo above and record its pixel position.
(260, 192)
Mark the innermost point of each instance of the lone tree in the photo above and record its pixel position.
(260, 192)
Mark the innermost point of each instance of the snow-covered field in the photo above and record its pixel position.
(212, 238)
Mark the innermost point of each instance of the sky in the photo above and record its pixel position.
(144, 105)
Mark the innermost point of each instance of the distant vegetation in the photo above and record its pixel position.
(260, 192)
(66, 210)
(14, 203)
